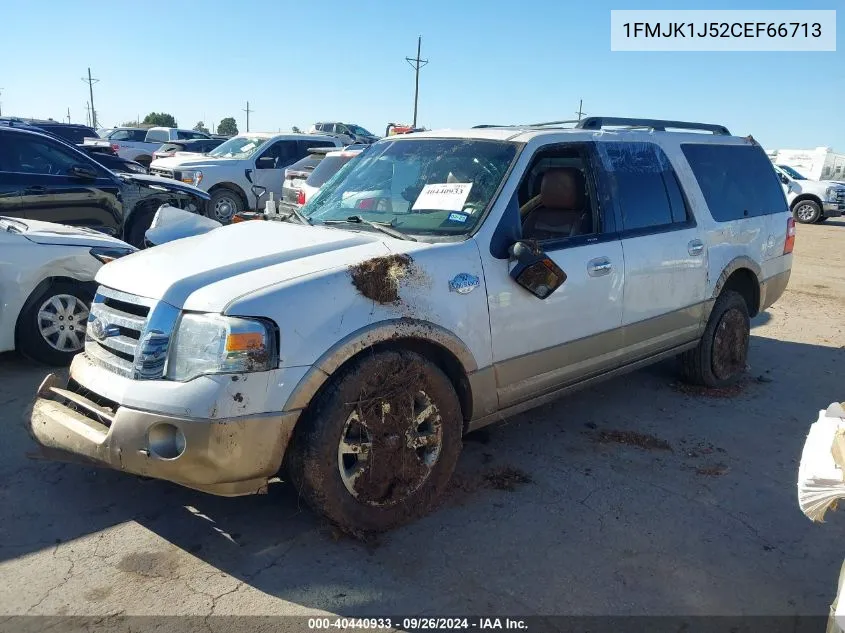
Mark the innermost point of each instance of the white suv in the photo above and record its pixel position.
(242, 172)
(436, 284)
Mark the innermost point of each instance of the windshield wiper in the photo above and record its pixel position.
(384, 227)
(294, 212)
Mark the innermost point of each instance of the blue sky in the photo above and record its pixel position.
(490, 62)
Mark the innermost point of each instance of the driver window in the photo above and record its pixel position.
(283, 154)
(29, 156)
(556, 197)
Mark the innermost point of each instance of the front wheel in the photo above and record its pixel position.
(224, 205)
(807, 212)
(380, 443)
(720, 358)
(51, 327)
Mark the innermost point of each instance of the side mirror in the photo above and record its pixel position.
(83, 172)
(265, 162)
(535, 271)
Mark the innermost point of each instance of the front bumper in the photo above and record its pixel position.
(833, 209)
(228, 457)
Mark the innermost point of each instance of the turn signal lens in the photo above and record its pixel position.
(789, 243)
(244, 341)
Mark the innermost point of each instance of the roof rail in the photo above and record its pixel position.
(598, 122)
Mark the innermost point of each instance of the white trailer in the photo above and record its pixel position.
(821, 163)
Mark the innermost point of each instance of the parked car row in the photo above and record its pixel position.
(811, 201)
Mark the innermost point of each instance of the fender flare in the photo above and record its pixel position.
(366, 337)
(732, 266)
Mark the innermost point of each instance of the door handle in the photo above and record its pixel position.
(599, 267)
(695, 247)
(34, 191)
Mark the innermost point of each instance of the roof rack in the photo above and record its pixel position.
(659, 125)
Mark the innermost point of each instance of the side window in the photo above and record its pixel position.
(181, 135)
(34, 156)
(284, 153)
(157, 136)
(737, 180)
(557, 198)
(644, 185)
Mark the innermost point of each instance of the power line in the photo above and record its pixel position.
(247, 110)
(417, 63)
(91, 83)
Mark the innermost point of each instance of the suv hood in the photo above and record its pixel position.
(208, 272)
(168, 184)
(61, 234)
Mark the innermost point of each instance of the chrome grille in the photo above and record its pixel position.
(163, 173)
(129, 335)
(840, 196)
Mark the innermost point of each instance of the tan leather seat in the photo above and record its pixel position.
(558, 211)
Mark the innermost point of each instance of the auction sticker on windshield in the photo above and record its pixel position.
(443, 197)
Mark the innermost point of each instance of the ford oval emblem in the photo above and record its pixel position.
(100, 331)
(463, 283)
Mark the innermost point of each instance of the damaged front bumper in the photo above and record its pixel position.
(228, 457)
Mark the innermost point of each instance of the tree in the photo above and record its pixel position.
(160, 118)
(296, 130)
(227, 127)
(200, 127)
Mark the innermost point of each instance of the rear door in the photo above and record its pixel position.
(11, 187)
(41, 169)
(665, 255)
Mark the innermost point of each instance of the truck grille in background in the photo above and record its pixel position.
(163, 173)
(129, 335)
(840, 196)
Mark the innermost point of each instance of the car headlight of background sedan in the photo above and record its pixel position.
(136, 167)
(216, 344)
(108, 254)
(191, 177)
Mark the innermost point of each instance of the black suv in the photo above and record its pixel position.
(44, 178)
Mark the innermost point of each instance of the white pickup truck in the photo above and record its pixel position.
(811, 201)
(243, 171)
(138, 144)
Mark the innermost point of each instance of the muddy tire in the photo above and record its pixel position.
(806, 211)
(51, 326)
(720, 358)
(379, 445)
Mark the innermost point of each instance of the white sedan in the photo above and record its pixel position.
(46, 285)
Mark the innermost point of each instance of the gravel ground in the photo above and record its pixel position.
(562, 510)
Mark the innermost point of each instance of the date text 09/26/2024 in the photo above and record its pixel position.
(418, 624)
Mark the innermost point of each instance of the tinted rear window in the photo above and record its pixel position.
(327, 168)
(738, 181)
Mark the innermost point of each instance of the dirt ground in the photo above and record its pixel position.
(634, 497)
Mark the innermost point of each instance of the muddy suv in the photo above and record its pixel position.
(441, 282)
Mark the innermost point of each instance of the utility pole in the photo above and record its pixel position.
(87, 113)
(1, 103)
(580, 109)
(417, 63)
(68, 115)
(91, 83)
(247, 115)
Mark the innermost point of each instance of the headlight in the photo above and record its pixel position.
(108, 254)
(192, 177)
(831, 194)
(215, 344)
(136, 167)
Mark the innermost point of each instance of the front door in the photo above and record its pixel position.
(542, 344)
(271, 175)
(48, 190)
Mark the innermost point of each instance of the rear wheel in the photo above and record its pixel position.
(380, 443)
(51, 327)
(807, 212)
(720, 358)
(223, 206)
